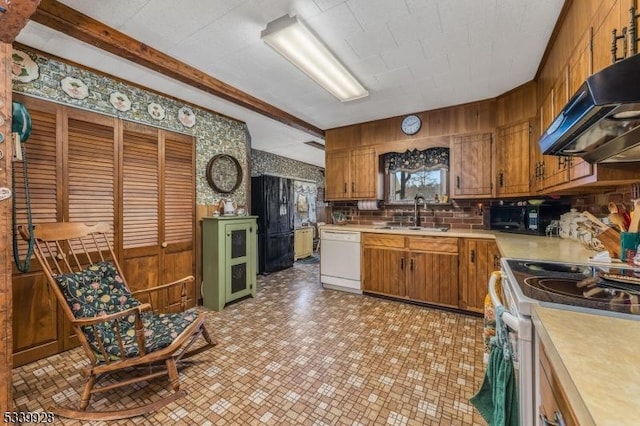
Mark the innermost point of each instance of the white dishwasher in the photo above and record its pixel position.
(340, 260)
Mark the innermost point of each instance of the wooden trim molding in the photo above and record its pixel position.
(69, 21)
(14, 15)
(6, 294)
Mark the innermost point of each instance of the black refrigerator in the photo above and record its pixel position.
(272, 202)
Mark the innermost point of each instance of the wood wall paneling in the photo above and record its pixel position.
(6, 293)
(517, 104)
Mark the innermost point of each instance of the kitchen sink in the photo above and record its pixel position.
(414, 228)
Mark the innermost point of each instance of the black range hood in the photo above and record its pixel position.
(601, 122)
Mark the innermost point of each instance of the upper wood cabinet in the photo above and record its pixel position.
(336, 183)
(606, 19)
(351, 174)
(580, 67)
(512, 160)
(471, 166)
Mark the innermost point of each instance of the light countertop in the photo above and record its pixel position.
(596, 359)
(511, 245)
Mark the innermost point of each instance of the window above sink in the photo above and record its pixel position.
(416, 173)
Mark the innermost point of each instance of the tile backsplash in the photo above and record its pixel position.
(468, 214)
(459, 214)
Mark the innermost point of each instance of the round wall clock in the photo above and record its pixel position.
(411, 124)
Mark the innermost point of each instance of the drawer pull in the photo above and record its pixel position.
(557, 416)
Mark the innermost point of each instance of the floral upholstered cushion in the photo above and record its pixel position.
(160, 330)
(99, 291)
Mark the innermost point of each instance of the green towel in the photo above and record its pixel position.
(497, 399)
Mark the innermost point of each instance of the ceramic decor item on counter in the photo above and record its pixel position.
(229, 207)
(569, 223)
(635, 218)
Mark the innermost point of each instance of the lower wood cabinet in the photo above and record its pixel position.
(303, 243)
(478, 258)
(554, 408)
(423, 269)
(229, 257)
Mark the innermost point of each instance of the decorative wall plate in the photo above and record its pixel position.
(156, 111)
(74, 87)
(120, 101)
(23, 68)
(186, 117)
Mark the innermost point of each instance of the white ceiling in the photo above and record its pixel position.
(412, 55)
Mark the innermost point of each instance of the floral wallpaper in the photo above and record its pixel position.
(265, 163)
(38, 75)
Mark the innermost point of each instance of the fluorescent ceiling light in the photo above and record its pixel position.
(290, 38)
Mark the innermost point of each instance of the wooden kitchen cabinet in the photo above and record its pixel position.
(512, 159)
(580, 67)
(433, 270)
(303, 243)
(337, 175)
(351, 174)
(471, 166)
(478, 258)
(554, 406)
(383, 264)
(383, 271)
(417, 268)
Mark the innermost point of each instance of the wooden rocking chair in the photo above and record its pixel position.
(115, 328)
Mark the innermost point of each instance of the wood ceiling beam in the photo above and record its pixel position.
(69, 21)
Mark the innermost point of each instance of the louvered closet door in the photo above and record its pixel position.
(35, 312)
(90, 178)
(91, 169)
(178, 190)
(158, 200)
(140, 206)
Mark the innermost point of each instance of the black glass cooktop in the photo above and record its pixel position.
(614, 289)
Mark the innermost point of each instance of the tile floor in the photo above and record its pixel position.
(299, 354)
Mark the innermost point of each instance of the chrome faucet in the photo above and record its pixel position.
(416, 215)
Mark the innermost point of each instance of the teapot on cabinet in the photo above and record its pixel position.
(228, 207)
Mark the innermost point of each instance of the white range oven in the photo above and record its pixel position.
(578, 287)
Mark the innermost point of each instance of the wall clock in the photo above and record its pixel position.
(411, 124)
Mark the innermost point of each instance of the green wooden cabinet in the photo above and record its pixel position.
(228, 259)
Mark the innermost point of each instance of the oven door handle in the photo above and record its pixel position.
(507, 317)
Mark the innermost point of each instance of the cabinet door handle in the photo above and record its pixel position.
(557, 416)
(411, 264)
(345, 187)
(353, 187)
(458, 182)
(402, 263)
(473, 256)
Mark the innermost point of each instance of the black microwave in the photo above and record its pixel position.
(526, 219)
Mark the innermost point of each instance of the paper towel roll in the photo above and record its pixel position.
(368, 205)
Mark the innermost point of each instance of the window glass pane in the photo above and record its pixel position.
(405, 186)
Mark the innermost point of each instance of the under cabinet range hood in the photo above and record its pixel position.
(601, 122)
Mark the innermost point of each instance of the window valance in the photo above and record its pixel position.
(415, 161)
